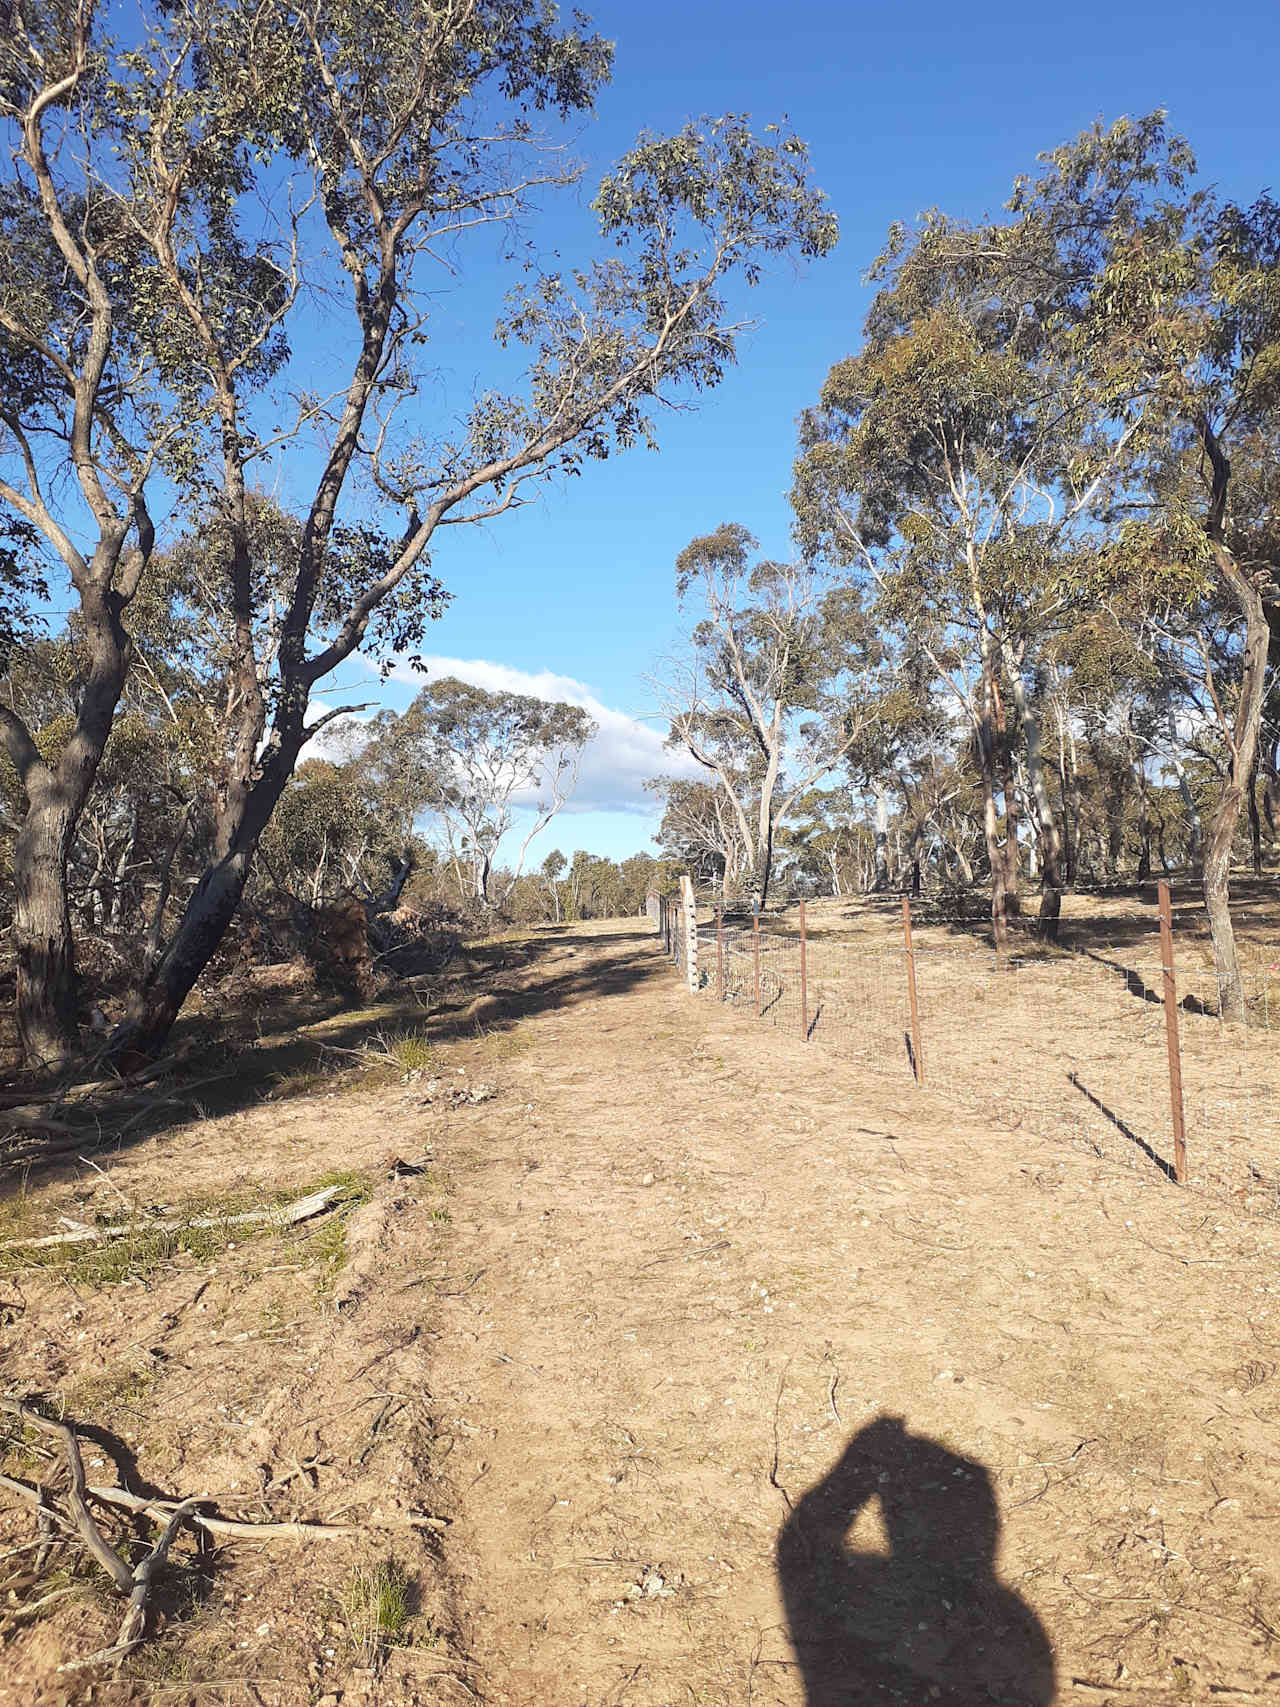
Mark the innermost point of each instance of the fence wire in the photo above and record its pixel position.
(1068, 1042)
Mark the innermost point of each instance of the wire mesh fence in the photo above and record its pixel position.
(1070, 1041)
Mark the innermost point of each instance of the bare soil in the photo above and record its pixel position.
(693, 1365)
(1069, 1038)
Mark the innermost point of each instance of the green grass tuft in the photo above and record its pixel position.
(377, 1605)
(411, 1051)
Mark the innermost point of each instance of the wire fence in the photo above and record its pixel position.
(1076, 1042)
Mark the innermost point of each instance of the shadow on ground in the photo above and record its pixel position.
(1126, 1131)
(1254, 903)
(926, 1620)
(516, 979)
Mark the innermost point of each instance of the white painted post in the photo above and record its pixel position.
(690, 910)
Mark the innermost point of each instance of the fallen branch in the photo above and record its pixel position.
(33, 1608)
(77, 1521)
(94, 1541)
(227, 1526)
(27, 1123)
(288, 1216)
(68, 1095)
(222, 1525)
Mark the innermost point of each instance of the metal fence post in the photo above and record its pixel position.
(1171, 1035)
(755, 955)
(917, 1056)
(804, 982)
(720, 949)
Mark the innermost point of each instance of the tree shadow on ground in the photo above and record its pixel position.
(1136, 985)
(1255, 910)
(223, 1075)
(928, 1620)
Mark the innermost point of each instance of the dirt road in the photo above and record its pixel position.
(742, 1378)
(1010, 1410)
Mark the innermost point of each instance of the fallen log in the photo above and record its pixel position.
(288, 1215)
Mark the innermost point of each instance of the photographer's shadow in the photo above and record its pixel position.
(926, 1621)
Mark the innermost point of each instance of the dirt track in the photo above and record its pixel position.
(725, 1341)
(714, 1271)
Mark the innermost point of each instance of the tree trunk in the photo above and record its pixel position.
(42, 940)
(1255, 822)
(1243, 737)
(882, 840)
(1070, 828)
(1144, 847)
(995, 853)
(1046, 820)
(1144, 823)
(1226, 811)
(155, 1003)
(1009, 852)
(116, 916)
(153, 1007)
(1195, 831)
(1160, 847)
(47, 990)
(1073, 810)
(762, 866)
(402, 867)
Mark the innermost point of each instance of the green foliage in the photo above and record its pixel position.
(467, 755)
(777, 692)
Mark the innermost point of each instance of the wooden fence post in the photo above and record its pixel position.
(804, 982)
(720, 949)
(916, 1054)
(1171, 1035)
(755, 954)
(690, 932)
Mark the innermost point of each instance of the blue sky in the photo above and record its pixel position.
(904, 108)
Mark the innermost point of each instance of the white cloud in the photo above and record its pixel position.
(616, 762)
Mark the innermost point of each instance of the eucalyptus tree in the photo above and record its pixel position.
(473, 758)
(550, 873)
(700, 830)
(1172, 296)
(329, 837)
(953, 466)
(826, 841)
(177, 207)
(776, 688)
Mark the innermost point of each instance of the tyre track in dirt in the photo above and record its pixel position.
(711, 1261)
